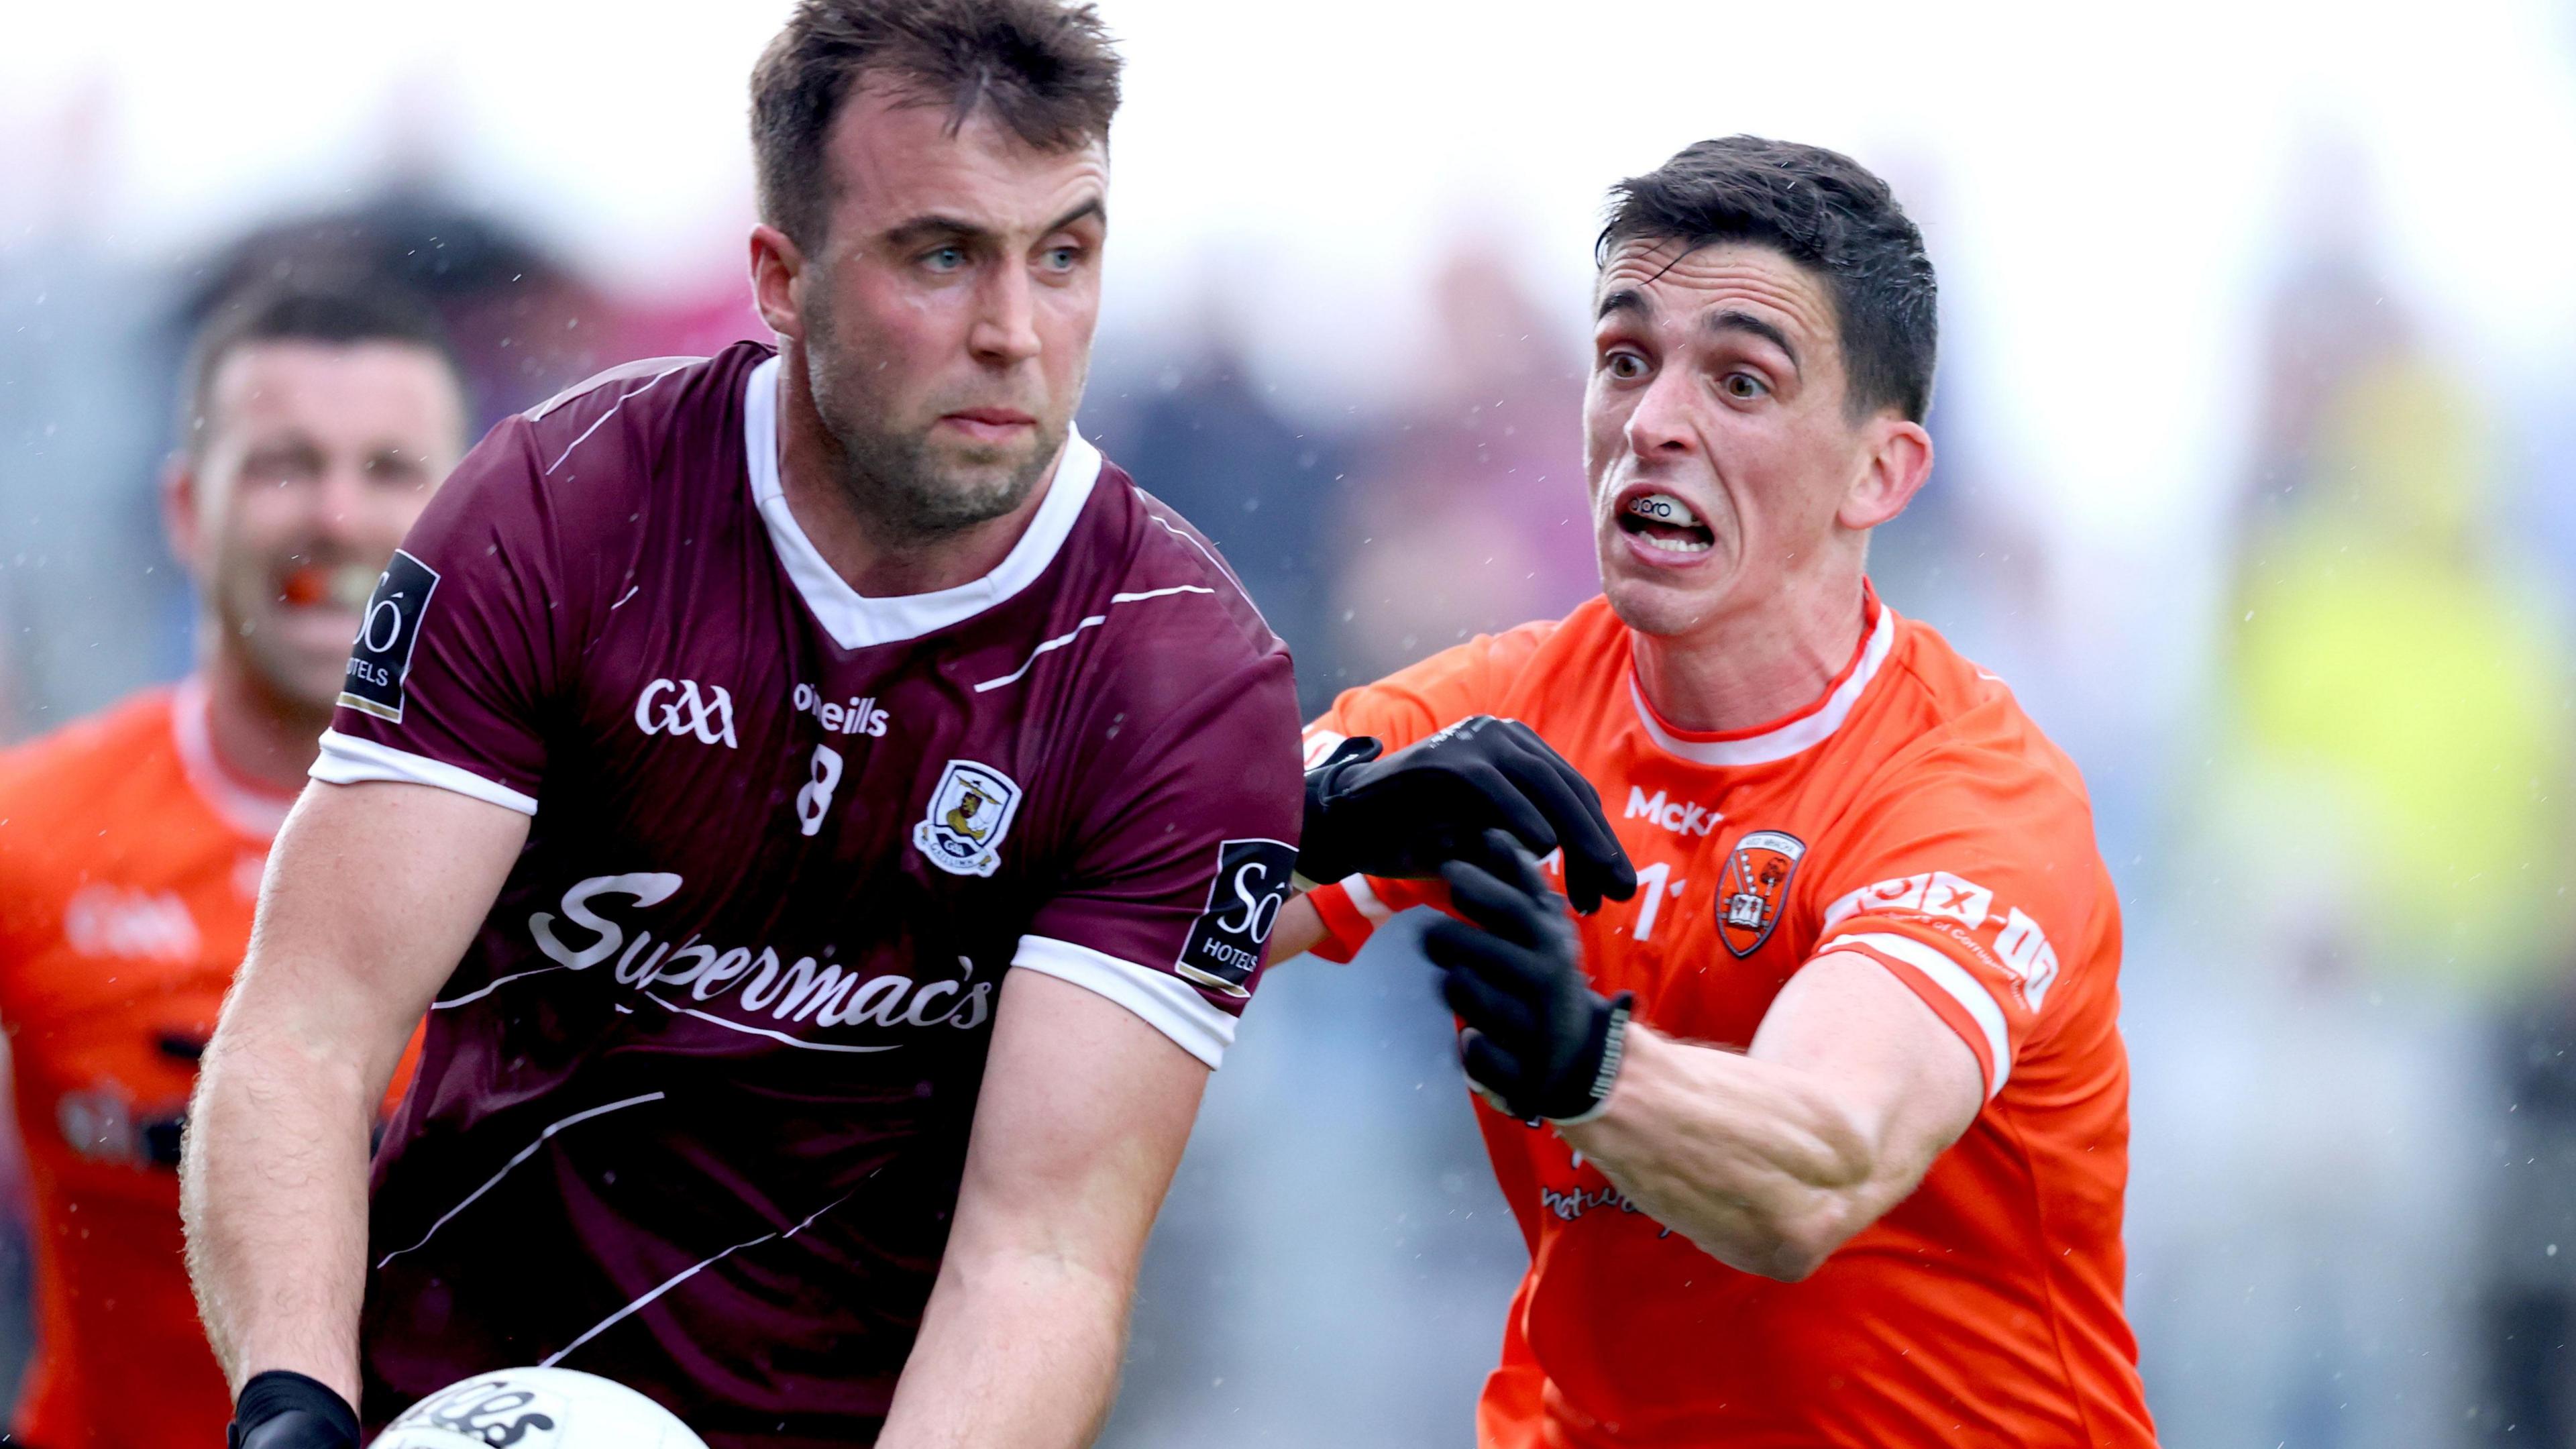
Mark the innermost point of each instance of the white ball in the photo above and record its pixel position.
(537, 1408)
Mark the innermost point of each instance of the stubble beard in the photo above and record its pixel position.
(907, 487)
(290, 682)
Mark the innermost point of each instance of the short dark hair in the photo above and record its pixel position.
(1824, 211)
(336, 316)
(1046, 69)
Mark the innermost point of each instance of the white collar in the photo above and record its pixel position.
(254, 813)
(856, 621)
(1791, 737)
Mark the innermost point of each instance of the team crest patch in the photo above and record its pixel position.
(969, 814)
(1756, 882)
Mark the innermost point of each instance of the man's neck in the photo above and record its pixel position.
(873, 560)
(259, 739)
(1743, 672)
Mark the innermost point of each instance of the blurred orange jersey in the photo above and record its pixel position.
(1915, 815)
(129, 866)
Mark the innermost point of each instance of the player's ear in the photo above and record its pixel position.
(179, 489)
(776, 263)
(1896, 460)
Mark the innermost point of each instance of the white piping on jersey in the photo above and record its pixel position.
(488, 987)
(247, 811)
(1218, 564)
(794, 1041)
(1789, 739)
(1088, 621)
(659, 367)
(1955, 982)
(685, 1274)
(621, 402)
(522, 1155)
(856, 621)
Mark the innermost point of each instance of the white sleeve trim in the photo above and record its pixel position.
(1167, 1003)
(1365, 899)
(348, 761)
(1952, 978)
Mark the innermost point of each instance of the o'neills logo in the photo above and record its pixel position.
(760, 991)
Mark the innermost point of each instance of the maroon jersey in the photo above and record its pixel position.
(692, 1111)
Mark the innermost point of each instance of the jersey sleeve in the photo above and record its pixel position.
(1182, 848)
(461, 649)
(1964, 882)
(1406, 706)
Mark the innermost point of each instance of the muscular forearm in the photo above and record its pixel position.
(1755, 1161)
(1018, 1348)
(274, 1193)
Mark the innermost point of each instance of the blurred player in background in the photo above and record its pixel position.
(315, 426)
(831, 816)
(1823, 1140)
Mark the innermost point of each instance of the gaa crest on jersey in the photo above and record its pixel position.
(968, 816)
(1756, 882)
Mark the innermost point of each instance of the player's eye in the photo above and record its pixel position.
(944, 259)
(281, 466)
(1061, 259)
(397, 469)
(1624, 365)
(1743, 386)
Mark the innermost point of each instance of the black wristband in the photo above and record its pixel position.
(1607, 1046)
(280, 1392)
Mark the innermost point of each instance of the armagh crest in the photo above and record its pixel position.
(1757, 878)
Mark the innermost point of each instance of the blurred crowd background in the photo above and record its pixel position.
(2256, 477)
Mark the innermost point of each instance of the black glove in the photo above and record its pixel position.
(1540, 1042)
(1432, 802)
(282, 1410)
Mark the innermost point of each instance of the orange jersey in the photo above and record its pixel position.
(129, 866)
(1914, 815)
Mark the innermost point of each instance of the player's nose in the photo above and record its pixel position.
(345, 505)
(1006, 327)
(1662, 423)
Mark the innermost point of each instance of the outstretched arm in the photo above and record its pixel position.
(1771, 1159)
(373, 892)
(1084, 1112)
(1768, 1159)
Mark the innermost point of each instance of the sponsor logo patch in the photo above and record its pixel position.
(969, 814)
(1681, 817)
(381, 659)
(1756, 882)
(1224, 948)
(751, 987)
